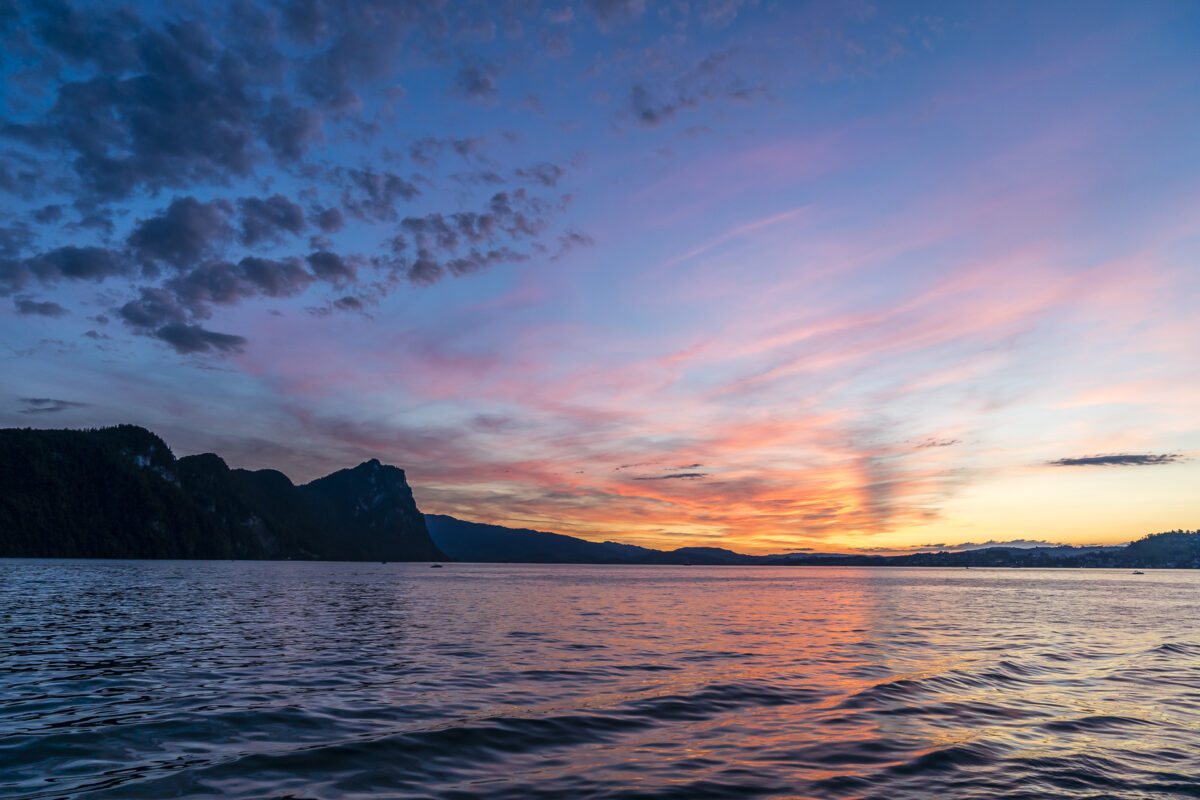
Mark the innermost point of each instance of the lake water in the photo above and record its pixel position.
(125, 679)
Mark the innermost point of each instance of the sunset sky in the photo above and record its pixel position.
(769, 276)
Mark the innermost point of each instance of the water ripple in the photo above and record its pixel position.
(321, 681)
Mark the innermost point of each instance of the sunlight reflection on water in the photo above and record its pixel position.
(250, 680)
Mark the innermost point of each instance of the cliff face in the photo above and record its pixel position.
(120, 493)
(377, 515)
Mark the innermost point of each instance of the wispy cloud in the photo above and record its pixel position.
(937, 443)
(673, 476)
(48, 405)
(1022, 543)
(45, 308)
(1120, 460)
(871, 323)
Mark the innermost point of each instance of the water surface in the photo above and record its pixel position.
(124, 679)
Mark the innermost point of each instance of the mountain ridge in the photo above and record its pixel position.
(119, 492)
(476, 541)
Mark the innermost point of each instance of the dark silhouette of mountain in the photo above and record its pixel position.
(376, 511)
(475, 541)
(120, 493)
(702, 555)
(1170, 550)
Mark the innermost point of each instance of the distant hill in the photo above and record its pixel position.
(120, 493)
(1170, 550)
(477, 541)
(474, 541)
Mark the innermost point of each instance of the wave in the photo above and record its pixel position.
(883, 689)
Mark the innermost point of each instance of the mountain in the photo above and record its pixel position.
(1000, 556)
(377, 515)
(474, 541)
(1170, 550)
(120, 493)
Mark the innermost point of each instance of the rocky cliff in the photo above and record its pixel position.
(120, 493)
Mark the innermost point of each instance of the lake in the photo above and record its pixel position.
(154, 679)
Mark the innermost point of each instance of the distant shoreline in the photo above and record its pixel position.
(120, 493)
(97, 559)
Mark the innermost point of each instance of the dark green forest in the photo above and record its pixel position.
(120, 493)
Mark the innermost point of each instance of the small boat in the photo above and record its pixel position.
(1137, 572)
(435, 566)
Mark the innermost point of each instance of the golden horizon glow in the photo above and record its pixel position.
(672, 286)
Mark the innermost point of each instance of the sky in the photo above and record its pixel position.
(770, 276)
